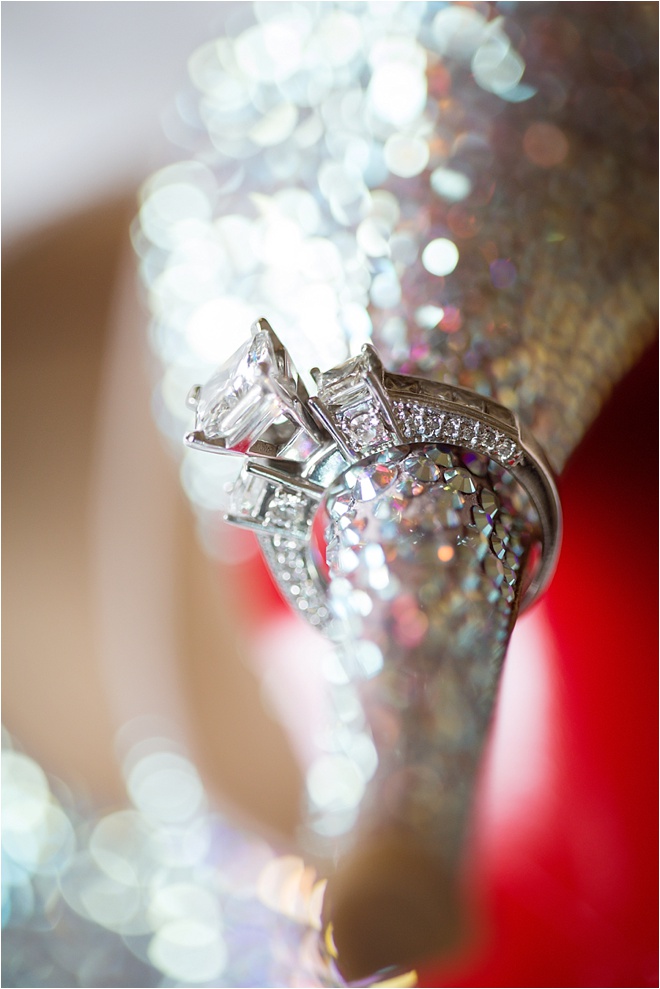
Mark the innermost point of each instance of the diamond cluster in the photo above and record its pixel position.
(420, 422)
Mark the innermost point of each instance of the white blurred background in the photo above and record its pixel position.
(84, 88)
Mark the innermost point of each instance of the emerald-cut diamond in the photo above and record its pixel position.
(246, 395)
(346, 384)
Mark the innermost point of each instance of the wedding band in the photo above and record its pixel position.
(296, 446)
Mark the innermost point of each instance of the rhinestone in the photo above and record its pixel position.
(482, 521)
(494, 570)
(498, 546)
(511, 561)
(381, 475)
(505, 520)
(460, 481)
(347, 518)
(441, 456)
(509, 576)
(421, 468)
(475, 542)
(340, 504)
(409, 486)
(507, 595)
(366, 488)
(475, 463)
(489, 501)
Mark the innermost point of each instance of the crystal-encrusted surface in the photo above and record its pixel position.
(426, 550)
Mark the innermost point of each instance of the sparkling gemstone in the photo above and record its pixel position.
(240, 401)
(342, 385)
(506, 450)
(381, 475)
(489, 501)
(372, 480)
(509, 576)
(475, 463)
(365, 429)
(494, 570)
(287, 510)
(452, 427)
(469, 432)
(340, 504)
(482, 521)
(488, 438)
(247, 494)
(498, 545)
(441, 457)
(460, 481)
(422, 469)
(511, 560)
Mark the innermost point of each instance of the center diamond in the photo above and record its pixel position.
(245, 396)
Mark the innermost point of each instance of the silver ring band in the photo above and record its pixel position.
(296, 447)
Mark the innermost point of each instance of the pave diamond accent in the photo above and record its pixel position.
(287, 510)
(288, 558)
(421, 422)
(365, 428)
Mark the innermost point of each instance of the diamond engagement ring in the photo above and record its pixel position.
(296, 446)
